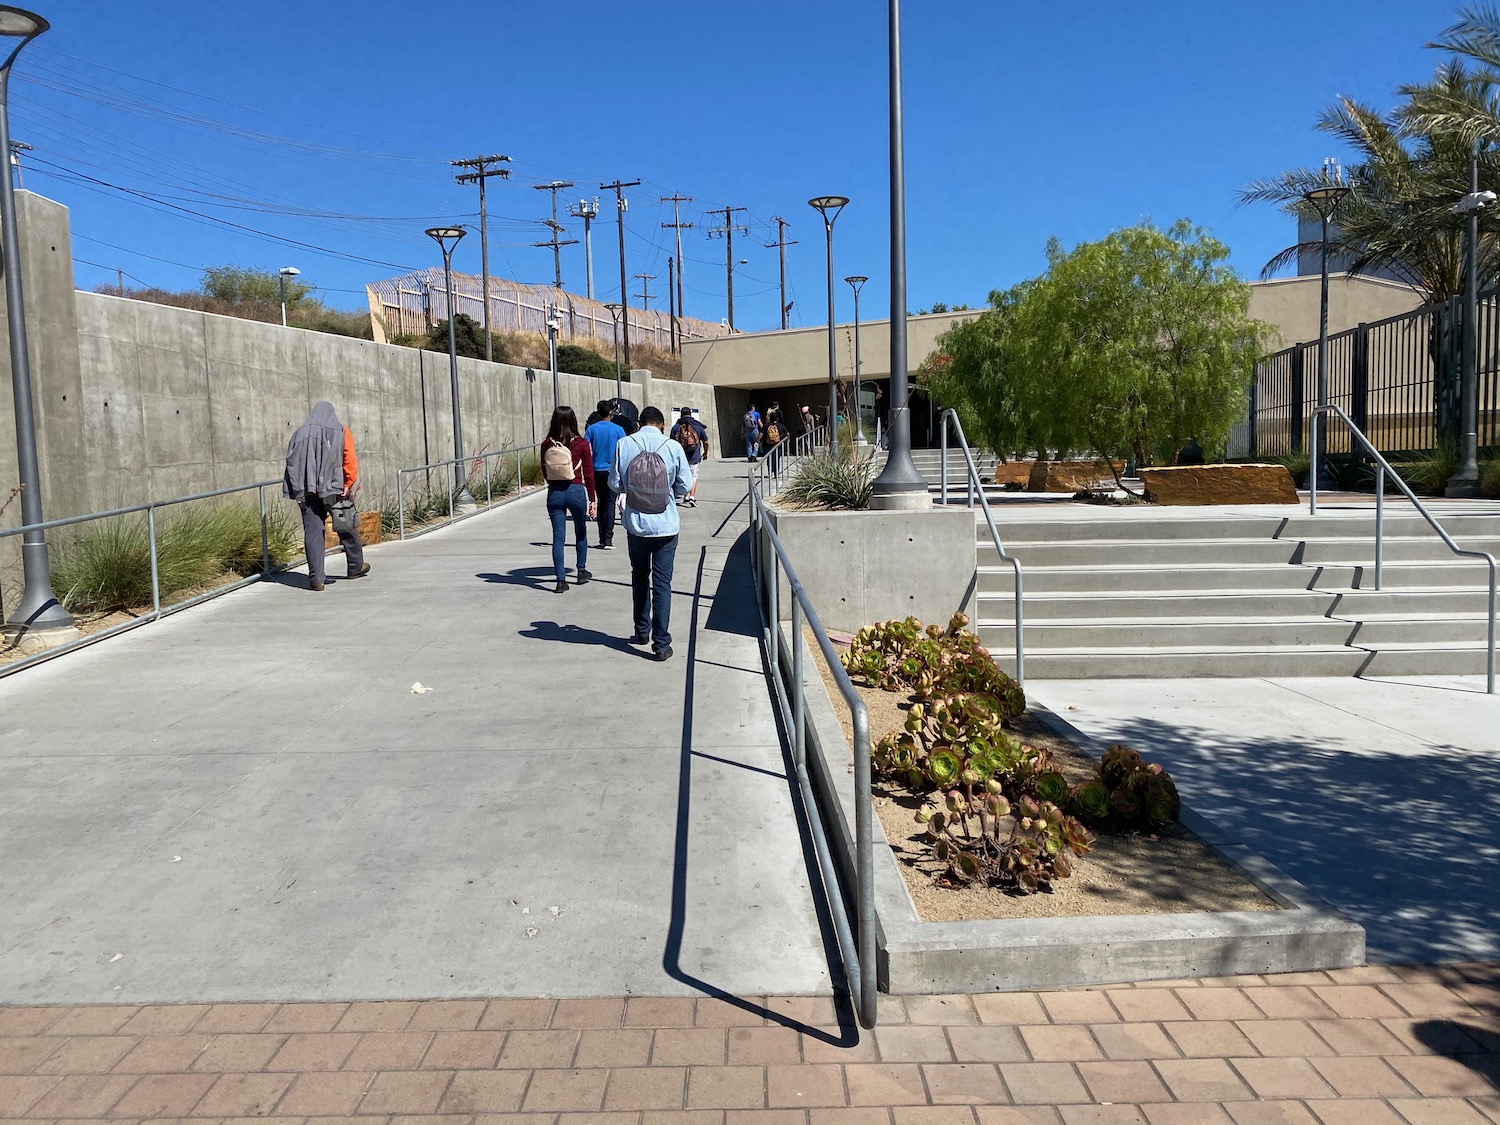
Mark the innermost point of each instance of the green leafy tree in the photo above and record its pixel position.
(241, 285)
(1126, 346)
(468, 339)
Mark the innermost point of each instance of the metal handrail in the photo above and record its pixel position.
(1382, 468)
(975, 484)
(158, 611)
(858, 949)
(773, 466)
(473, 461)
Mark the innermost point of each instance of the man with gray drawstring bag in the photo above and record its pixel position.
(651, 470)
(321, 470)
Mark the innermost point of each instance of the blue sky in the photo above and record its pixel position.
(330, 123)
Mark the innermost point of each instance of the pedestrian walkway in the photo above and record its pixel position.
(1366, 1046)
(248, 801)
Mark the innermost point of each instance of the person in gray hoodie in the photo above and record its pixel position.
(320, 471)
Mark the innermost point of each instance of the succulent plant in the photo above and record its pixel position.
(1090, 800)
(1049, 785)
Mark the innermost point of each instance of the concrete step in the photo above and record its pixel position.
(1400, 520)
(1155, 605)
(1417, 659)
(1359, 604)
(1135, 552)
(996, 577)
(1188, 632)
(1131, 529)
(1183, 663)
(1397, 549)
(1398, 576)
(1380, 630)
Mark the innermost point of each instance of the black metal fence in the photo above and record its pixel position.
(1397, 378)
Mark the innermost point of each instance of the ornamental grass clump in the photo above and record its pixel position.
(832, 483)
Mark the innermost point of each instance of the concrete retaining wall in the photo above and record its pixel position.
(138, 401)
(863, 567)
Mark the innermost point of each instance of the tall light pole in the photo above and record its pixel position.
(281, 275)
(447, 238)
(1465, 481)
(588, 212)
(1325, 199)
(857, 283)
(615, 309)
(554, 322)
(38, 611)
(899, 485)
(824, 204)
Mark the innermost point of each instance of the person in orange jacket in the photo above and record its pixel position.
(321, 469)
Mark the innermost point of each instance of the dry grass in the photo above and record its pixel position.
(529, 349)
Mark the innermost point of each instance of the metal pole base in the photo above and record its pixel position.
(1463, 486)
(909, 501)
(463, 501)
(19, 638)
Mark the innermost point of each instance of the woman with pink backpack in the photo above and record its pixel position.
(568, 469)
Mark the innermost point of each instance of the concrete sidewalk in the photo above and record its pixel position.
(1380, 795)
(248, 802)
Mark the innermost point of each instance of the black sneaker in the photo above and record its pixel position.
(583, 576)
(560, 588)
(640, 639)
(606, 546)
(663, 653)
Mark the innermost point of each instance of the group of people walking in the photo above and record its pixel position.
(647, 472)
(618, 470)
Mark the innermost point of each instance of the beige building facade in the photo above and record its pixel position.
(766, 361)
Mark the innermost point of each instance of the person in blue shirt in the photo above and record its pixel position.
(602, 437)
(750, 426)
(651, 525)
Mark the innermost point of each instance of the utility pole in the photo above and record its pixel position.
(587, 211)
(482, 171)
(16, 148)
(671, 306)
(781, 244)
(557, 229)
(645, 294)
(727, 230)
(678, 226)
(618, 187)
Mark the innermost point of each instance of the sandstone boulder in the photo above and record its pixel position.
(1220, 484)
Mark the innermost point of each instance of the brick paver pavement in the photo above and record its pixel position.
(1375, 1045)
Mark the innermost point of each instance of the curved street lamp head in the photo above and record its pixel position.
(855, 281)
(446, 237)
(18, 23)
(289, 271)
(826, 203)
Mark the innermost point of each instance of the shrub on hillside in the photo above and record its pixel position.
(578, 360)
(468, 339)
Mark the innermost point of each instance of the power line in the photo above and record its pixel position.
(677, 226)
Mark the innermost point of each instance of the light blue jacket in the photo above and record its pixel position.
(679, 475)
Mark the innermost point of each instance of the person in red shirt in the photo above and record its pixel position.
(568, 469)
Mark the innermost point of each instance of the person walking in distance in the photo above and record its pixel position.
(568, 469)
(692, 435)
(603, 435)
(750, 426)
(650, 469)
(321, 470)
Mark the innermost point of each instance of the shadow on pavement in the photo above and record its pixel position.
(1403, 842)
(536, 577)
(733, 609)
(848, 1031)
(579, 635)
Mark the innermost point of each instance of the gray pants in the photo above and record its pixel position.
(314, 512)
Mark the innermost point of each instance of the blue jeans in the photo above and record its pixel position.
(651, 560)
(752, 443)
(561, 502)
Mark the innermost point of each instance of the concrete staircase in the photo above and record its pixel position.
(1188, 592)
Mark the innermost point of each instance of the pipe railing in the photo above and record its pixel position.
(772, 467)
(770, 565)
(976, 485)
(158, 610)
(478, 462)
(1383, 467)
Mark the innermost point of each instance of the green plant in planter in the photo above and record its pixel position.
(1128, 792)
(968, 834)
(905, 655)
(956, 736)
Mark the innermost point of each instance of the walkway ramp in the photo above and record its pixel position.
(248, 801)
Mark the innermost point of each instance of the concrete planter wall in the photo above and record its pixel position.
(863, 567)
